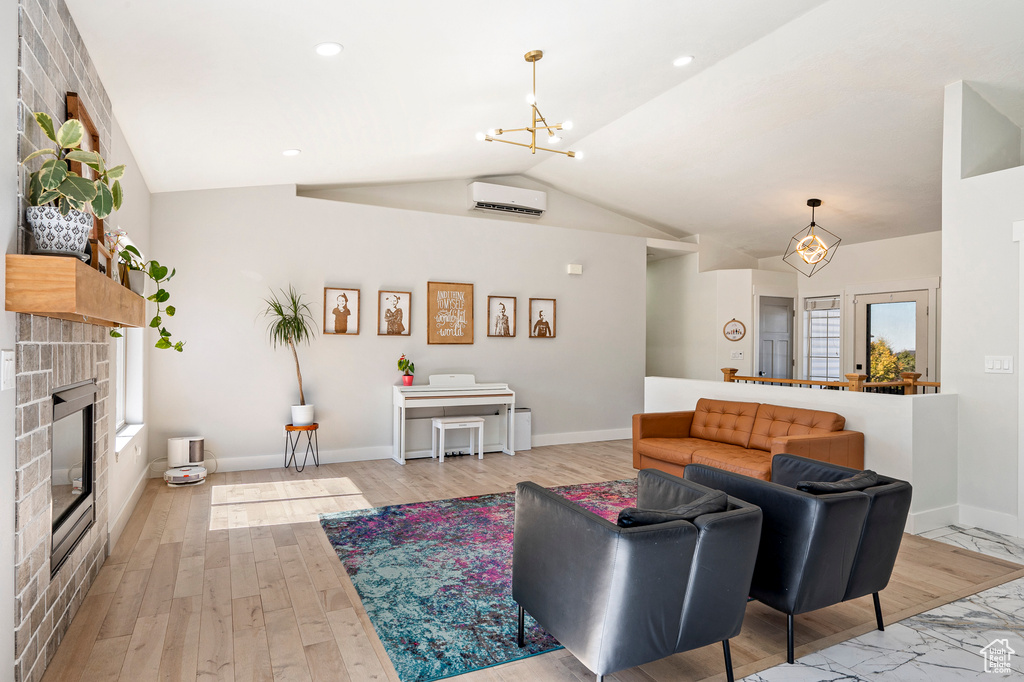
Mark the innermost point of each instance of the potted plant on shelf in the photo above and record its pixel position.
(290, 322)
(406, 365)
(59, 200)
(138, 270)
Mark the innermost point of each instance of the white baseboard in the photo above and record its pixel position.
(116, 524)
(276, 460)
(581, 437)
(922, 522)
(989, 520)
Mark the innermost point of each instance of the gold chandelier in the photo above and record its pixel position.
(540, 125)
(811, 248)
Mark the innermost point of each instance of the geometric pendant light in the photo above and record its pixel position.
(811, 248)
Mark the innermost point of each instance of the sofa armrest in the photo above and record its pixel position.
(659, 425)
(844, 448)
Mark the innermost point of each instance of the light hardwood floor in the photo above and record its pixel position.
(235, 580)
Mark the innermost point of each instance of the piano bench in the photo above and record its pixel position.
(441, 424)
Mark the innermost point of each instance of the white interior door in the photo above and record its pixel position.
(775, 337)
(891, 335)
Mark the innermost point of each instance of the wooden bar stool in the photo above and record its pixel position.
(441, 424)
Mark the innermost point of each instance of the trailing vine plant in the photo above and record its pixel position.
(132, 258)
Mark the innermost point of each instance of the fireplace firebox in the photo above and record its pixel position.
(71, 480)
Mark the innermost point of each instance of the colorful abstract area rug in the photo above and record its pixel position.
(435, 578)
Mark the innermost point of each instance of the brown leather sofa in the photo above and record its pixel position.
(742, 437)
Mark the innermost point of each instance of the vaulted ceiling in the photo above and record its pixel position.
(785, 100)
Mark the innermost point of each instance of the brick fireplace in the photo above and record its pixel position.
(52, 353)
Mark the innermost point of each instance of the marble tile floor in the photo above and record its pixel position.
(941, 644)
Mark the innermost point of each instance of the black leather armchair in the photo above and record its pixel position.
(817, 550)
(619, 597)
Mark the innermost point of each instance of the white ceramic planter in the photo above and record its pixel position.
(54, 232)
(302, 415)
(137, 281)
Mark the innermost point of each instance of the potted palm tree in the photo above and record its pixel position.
(289, 323)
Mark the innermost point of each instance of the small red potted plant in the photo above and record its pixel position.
(406, 365)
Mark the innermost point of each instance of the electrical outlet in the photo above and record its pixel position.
(138, 452)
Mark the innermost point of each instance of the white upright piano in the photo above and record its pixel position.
(451, 390)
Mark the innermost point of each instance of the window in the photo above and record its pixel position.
(121, 387)
(891, 334)
(127, 378)
(823, 341)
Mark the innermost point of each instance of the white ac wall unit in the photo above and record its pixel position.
(483, 196)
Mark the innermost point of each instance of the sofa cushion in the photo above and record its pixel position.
(723, 421)
(711, 502)
(862, 480)
(772, 421)
(753, 463)
(678, 450)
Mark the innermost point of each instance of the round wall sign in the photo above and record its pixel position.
(734, 330)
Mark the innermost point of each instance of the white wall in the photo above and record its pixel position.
(917, 256)
(451, 197)
(990, 141)
(717, 256)
(687, 306)
(686, 312)
(8, 321)
(908, 437)
(229, 385)
(687, 309)
(128, 469)
(681, 318)
(980, 274)
(735, 301)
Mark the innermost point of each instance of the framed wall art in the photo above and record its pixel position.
(100, 257)
(90, 143)
(542, 318)
(449, 312)
(501, 316)
(341, 311)
(394, 313)
(734, 330)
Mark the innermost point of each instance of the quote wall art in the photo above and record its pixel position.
(449, 312)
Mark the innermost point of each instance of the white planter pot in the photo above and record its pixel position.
(54, 232)
(302, 415)
(137, 281)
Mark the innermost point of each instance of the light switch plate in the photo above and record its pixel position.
(999, 364)
(736, 355)
(6, 370)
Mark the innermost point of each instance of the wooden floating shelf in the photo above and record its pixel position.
(67, 288)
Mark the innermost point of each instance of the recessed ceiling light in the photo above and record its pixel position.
(292, 152)
(329, 49)
(682, 61)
